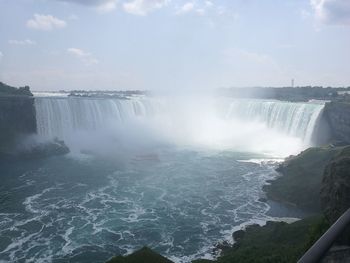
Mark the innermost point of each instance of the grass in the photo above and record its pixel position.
(301, 179)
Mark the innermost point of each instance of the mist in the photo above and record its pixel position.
(142, 125)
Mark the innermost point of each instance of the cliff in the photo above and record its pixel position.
(335, 191)
(17, 115)
(337, 115)
(301, 178)
(144, 255)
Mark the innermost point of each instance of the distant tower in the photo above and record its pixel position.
(292, 83)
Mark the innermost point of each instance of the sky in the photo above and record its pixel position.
(173, 45)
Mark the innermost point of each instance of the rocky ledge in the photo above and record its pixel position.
(35, 150)
(17, 115)
(301, 176)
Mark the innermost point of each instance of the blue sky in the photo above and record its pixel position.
(177, 45)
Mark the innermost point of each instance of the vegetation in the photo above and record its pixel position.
(285, 93)
(301, 182)
(17, 115)
(144, 255)
(275, 242)
(6, 90)
(117, 94)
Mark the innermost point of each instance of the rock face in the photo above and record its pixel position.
(301, 179)
(17, 115)
(337, 115)
(335, 191)
(144, 255)
(274, 242)
(36, 150)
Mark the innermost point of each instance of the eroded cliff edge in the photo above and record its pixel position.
(18, 127)
(337, 115)
(17, 115)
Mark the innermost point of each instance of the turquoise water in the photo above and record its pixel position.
(171, 174)
(179, 202)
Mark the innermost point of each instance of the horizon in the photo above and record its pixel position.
(173, 45)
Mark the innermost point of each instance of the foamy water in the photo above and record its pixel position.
(178, 176)
(89, 210)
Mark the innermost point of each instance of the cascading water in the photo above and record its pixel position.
(294, 119)
(190, 122)
(60, 117)
(177, 175)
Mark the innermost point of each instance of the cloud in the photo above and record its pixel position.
(101, 5)
(187, 7)
(45, 22)
(85, 57)
(200, 8)
(1, 55)
(336, 12)
(107, 6)
(143, 7)
(209, 3)
(22, 42)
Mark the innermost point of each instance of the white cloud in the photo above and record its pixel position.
(200, 8)
(187, 7)
(209, 3)
(85, 57)
(143, 7)
(107, 6)
(45, 22)
(1, 55)
(336, 12)
(22, 42)
(101, 5)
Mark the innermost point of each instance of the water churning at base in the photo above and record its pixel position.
(228, 121)
(294, 119)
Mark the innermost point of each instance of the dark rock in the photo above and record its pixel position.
(301, 179)
(36, 151)
(338, 254)
(6, 90)
(263, 199)
(222, 247)
(17, 115)
(144, 255)
(335, 192)
(238, 235)
(337, 114)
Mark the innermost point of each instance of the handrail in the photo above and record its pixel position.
(324, 243)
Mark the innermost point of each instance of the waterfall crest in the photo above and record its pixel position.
(241, 124)
(57, 117)
(291, 118)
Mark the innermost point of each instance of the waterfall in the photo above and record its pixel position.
(291, 118)
(58, 117)
(237, 123)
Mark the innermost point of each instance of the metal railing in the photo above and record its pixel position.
(321, 247)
